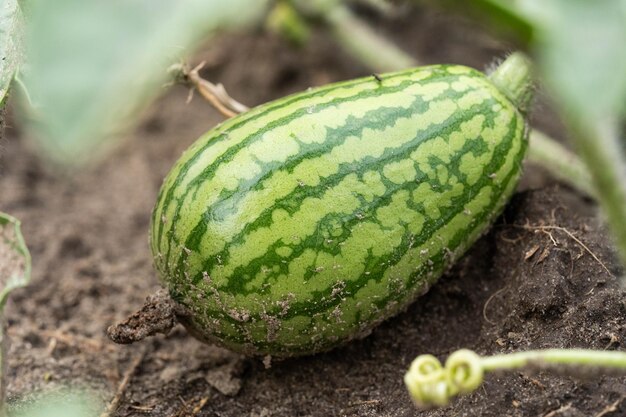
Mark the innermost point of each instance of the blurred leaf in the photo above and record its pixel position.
(14, 273)
(11, 26)
(502, 16)
(355, 35)
(284, 20)
(581, 46)
(504, 19)
(95, 64)
(14, 258)
(580, 49)
(61, 403)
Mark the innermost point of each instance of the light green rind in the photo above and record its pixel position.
(305, 222)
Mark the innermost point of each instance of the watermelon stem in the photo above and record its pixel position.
(513, 77)
(432, 384)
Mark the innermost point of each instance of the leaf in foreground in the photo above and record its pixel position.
(63, 402)
(581, 48)
(10, 43)
(15, 263)
(95, 64)
(14, 272)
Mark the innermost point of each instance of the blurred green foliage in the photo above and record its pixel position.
(60, 403)
(581, 48)
(284, 20)
(11, 27)
(500, 16)
(15, 263)
(15, 268)
(93, 65)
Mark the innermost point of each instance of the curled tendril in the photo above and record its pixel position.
(464, 370)
(430, 384)
(426, 381)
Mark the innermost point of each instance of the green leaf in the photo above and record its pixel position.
(502, 16)
(62, 402)
(15, 267)
(15, 262)
(95, 64)
(581, 47)
(11, 27)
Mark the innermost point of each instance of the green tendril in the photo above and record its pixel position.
(464, 371)
(426, 381)
(431, 384)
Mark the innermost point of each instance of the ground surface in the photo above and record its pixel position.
(524, 285)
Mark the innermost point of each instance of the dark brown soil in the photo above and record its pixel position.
(532, 282)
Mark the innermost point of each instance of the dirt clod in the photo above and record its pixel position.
(156, 316)
(226, 378)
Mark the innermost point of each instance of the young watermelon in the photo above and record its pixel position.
(305, 222)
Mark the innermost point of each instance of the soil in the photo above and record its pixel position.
(544, 276)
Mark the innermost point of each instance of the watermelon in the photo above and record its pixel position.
(304, 222)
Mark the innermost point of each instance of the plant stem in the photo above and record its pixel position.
(559, 161)
(357, 38)
(513, 77)
(578, 357)
(430, 383)
(360, 41)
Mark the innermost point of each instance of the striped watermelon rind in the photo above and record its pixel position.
(306, 221)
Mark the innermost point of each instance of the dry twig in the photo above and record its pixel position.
(611, 408)
(559, 410)
(547, 228)
(486, 305)
(214, 93)
(75, 340)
